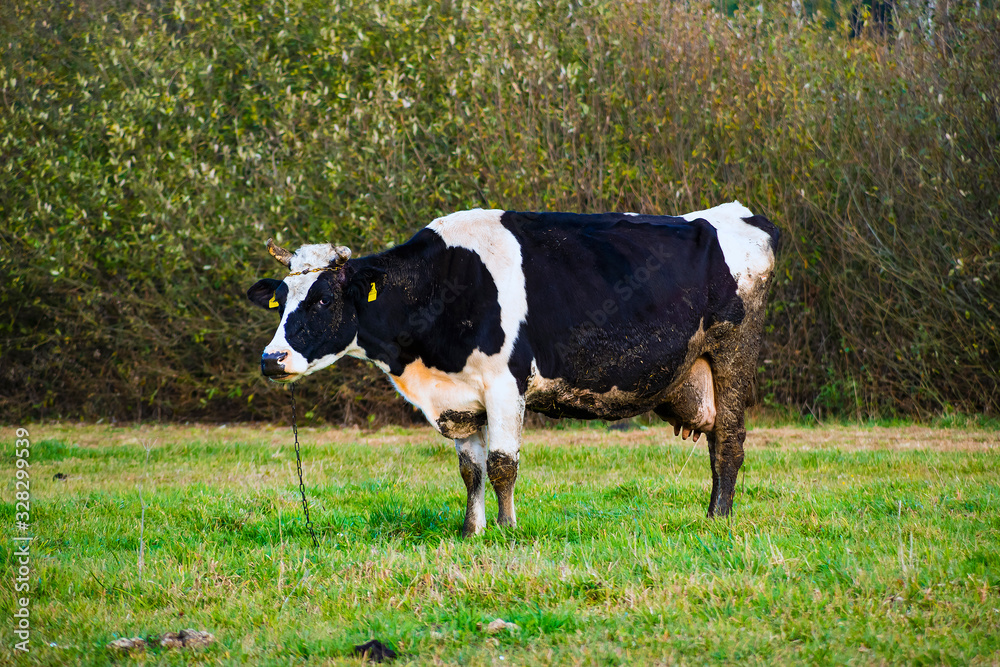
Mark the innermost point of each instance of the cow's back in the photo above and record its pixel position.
(614, 299)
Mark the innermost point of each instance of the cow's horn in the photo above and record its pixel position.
(343, 254)
(279, 253)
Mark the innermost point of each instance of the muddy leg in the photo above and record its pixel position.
(734, 375)
(505, 417)
(725, 449)
(472, 465)
(502, 468)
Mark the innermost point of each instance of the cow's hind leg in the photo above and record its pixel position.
(725, 449)
(472, 465)
(734, 374)
(734, 371)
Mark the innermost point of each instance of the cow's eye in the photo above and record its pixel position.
(323, 302)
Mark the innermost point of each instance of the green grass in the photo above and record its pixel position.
(837, 553)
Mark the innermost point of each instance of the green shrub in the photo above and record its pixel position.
(148, 150)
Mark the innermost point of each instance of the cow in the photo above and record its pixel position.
(486, 313)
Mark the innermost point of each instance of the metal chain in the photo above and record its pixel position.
(298, 465)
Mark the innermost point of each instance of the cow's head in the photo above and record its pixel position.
(317, 308)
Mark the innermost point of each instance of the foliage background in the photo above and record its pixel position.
(147, 149)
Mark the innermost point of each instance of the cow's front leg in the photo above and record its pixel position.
(505, 416)
(472, 465)
(502, 469)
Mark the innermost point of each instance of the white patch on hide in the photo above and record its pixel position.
(746, 248)
(480, 231)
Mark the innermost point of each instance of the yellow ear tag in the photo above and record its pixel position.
(273, 303)
(372, 294)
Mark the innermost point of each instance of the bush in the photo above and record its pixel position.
(150, 149)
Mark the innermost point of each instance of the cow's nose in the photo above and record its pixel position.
(270, 363)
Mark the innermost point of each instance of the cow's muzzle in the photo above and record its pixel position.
(271, 365)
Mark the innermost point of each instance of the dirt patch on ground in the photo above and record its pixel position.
(101, 435)
(784, 437)
(183, 639)
(90, 435)
(874, 437)
(790, 437)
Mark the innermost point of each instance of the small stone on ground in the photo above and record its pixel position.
(187, 639)
(498, 625)
(184, 639)
(126, 645)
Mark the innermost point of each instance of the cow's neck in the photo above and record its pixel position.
(390, 330)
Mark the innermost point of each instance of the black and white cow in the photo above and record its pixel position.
(485, 313)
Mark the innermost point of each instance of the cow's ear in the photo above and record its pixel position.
(262, 293)
(364, 284)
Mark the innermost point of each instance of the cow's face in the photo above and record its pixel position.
(318, 321)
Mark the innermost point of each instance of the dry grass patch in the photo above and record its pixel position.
(875, 437)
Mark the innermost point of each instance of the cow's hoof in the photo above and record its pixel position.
(472, 531)
(719, 512)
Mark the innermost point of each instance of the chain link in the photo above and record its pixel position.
(298, 465)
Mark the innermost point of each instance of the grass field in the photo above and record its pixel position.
(853, 545)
